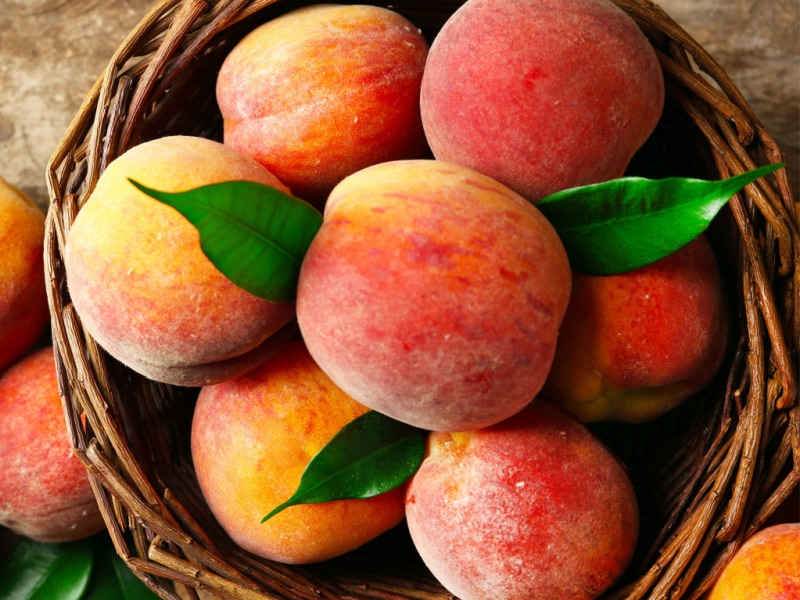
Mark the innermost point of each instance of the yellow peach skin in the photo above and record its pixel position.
(323, 91)
(23, 300)
(766, 567)
(142, 285)
(252, 438)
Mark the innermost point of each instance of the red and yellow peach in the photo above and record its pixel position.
(141, 283)
(765, 567)
(433, 294)
(323, 91)
(541, 96)
(533, 507)
(635, 345)
(44, 492)
(24, 314)
(252, 438)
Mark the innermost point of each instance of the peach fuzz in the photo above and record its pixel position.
(142, 285)
(44, 492)
(635, 345)
(578, 90)
(323, 91)
(433, 294)
(252, 438)
(533, 507)
(765, 567)
(24, 313)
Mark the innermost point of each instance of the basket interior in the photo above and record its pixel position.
(136, 440)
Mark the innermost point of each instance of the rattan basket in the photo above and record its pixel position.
(708, 475)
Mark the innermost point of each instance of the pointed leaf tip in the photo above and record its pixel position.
(256, 235)
(369, 456)
(627, 223)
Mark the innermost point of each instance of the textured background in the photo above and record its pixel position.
(51, 51)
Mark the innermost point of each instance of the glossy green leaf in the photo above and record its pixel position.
(87, 569)
(626, 223)
(112, 578)
(254, 234)
(37, 571)
(369, 456)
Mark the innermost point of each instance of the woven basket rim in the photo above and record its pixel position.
(748, 460)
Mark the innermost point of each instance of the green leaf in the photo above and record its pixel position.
(112, 577)
(254, 234)
(88, 569)
(626, 223)
(369, 456)
(37, 571)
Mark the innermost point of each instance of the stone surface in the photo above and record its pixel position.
(757, 42)
(52, 51)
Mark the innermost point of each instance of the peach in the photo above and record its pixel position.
(765, 567)
(577, 90)
(433, 294)
(24, 314)
(141, 283)
(252, 438)
(324, 91)
(533, 507)
(635, 345)
(44, 492)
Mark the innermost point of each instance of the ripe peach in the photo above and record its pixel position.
(252, 438)
(433, 294)
(533, 507)
(44, 492)
(324, 91)
(635, 345)
(766, 567)
(23, 300)
(578, 90)
(142, 285)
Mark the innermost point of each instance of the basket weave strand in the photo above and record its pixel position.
(719, 476)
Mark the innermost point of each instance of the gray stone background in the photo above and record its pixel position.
(51, 52)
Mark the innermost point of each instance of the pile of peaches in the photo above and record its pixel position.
(44, 491)
(434, 291)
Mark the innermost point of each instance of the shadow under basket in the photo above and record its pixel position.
(708, 475)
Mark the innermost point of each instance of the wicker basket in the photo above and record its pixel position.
(709, 474)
